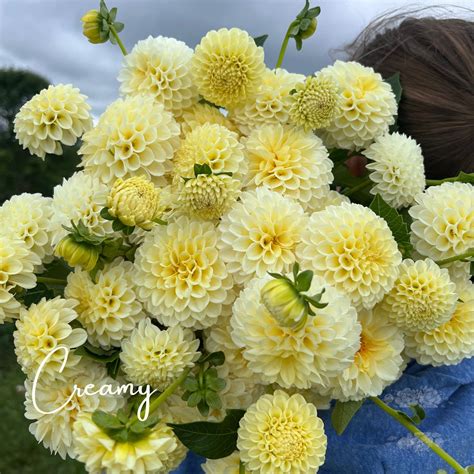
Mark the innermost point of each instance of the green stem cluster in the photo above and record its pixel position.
(420, 435)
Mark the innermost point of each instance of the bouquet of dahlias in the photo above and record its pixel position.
(214, 274)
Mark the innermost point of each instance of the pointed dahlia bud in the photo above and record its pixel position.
(77, 254)
(284, 303)
(91, 27)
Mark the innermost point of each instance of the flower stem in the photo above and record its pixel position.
(362, 185)
(51, 281)
(462, 256)
(164, 395)
(283, 47)
(420, 435)
(453, 179)
(119, 41)
(241, 468)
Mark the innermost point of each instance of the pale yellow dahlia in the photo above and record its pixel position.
(160, 67)
(451, 342)
(300, 357)
(81, 197)
(135, 136)
(135, 202)
(180, 275)
(54, 430)
(377, 363)
(210, 144)
(366, 109)
(331, 198)
(423, 297)
(200, 114)
(270, 105)
(288, 160)
(227, 465)
(151, 356)
(9, 306)
(354, 250)
(459, 271)
(42, 328)
(314, 103)
(27, 217)
(443, 220)
(260, 233)
(397, 169)
(56, 116)
(282, 433)
(108, 309)
(207, 197)
(104, 455)
(227, 67)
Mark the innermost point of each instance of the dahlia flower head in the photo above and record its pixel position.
(443, 220)
(160, 67)
(135, 136)
(353, 249)
(303, 357)
(282, 433)
(423, 297)
(290, 161)
(228, 465)
(451, 342)
(202, 113)
(260, 234)
(56, 116)
(366, 109)
(270, 104)
(181, 276)
(108, 308)
(397, 169)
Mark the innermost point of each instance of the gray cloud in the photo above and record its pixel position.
(45, 35)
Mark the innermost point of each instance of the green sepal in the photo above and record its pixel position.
(260, 40)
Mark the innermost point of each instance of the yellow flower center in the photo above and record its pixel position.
(285, 439)
(229, 75)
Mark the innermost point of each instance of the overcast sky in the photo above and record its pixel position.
(45, 35)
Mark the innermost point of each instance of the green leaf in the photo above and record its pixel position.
(113, 368)
(194, 399)
(213, 400)
(405, 416)
(104, 213)
(395, 222)
(119, 26)
(396, 86)
(295, 29)
(203, 408)
(190, 384)
(113, 14)
(302, 13)
(97, 354)
(208, 439)
(342, 414)
(106, 421)
(141, 426)
(260, 40)
(313, 12)
(35, 295)
(296, 270)
(103, 9)
(202, 169)
(217, 384)
(303, 281)
(338, 155)
(470, 469)
(299, 43)
(118, 225)
(213, 358)
(315, 300)
(466, 177)
(418, 413)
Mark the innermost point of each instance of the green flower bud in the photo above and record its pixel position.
(91, 27)
(310, 30)
(284, 303)
(77, 254)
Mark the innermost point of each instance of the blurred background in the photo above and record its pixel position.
(41, 43)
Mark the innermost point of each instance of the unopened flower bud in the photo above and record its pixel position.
(77, 254)
(135, 202)
(284, 303)
(91, 26)
(310, 30)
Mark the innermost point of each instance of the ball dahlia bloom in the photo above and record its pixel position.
(56, 116)
(228, 465)
(200, 114)
(282, 433)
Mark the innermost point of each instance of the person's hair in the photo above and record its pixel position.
(435, 59)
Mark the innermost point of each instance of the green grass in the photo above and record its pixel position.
(20, 453)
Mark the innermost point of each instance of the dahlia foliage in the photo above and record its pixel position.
(214, 251)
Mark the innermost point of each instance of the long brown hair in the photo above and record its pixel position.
(435, 58)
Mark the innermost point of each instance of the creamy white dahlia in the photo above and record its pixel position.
(40, 329)
(354, 250)
(324, 346)
(227, 465)
(56, 116)
(397, 169)
(271, 103)
(180, 274)
(451, 342)
(331, 198)
(282, 433)
(288, 160)
(54, 430)
(227, 67)
(108, 308)
(202, 113)
(443, 220)
(81, 197)
(422, 298)
(9, 306)
(160, 67)
(377, 363)
(366, 108)
(260, 234)
(135, 136)
(158, 357)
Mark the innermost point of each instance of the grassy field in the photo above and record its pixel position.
(20, 453)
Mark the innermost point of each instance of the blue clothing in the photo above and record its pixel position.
(374, 443)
